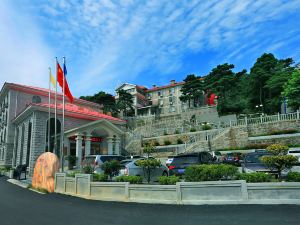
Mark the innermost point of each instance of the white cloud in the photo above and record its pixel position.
(24, 56)
(108, 41)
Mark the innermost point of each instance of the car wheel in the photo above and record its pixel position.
(165, 174)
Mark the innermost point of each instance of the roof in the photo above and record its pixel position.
(44, 92)
(165, 86)
(71, 110)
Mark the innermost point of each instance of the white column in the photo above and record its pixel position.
(88, 145)
(117, 146)
(110, 145)
(79, 149)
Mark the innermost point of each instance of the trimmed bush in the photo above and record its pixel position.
(176, 132)
(101, 177)
(255, 177)
(293, 177)
(167, 142)
(111, 168)
(73, 173)
(206, 127)
(179, 141)
(193, 129)
(88, 169)
(130, 179)
(171, 180)
(212, 172)
(156, 143)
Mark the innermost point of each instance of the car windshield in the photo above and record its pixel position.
(185, 159)
(254, 158)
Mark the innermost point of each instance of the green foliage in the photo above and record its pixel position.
(279, 160)
(111, 168)
(156, 143)
(212, 172)
(179, 141)
(193, 129)
(130, 179)
(149, 148)
(287, 131)
(206, 127)
(105, 99)
(73, 173)
(148, 166)
(192, 90)
(167, 142)
(254, 177)
(229, 87)
(293, 177)
(71, 160)
(292, 90)
(171, 180)
(87, 169)
(176, 132)
(165, 132)
(125, 103)
(100, 177)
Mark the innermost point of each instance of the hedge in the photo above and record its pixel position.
(171, 180)
(212, 172)
(130, 179)
(293, 177)
(255, 177)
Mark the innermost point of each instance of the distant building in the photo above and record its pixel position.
(162, 100)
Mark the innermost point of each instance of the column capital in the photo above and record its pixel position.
(88, 137)
(78, 136)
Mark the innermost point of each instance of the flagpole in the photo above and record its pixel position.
(49, 115)
(55, 133)
(63, 119)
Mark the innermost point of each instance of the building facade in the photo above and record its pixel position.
(26, 130)
(162, 100)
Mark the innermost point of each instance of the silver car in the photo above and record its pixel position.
(129, 167)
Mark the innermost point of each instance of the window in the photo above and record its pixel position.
(36, 99)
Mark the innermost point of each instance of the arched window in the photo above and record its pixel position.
(51, 136)
(36, 99)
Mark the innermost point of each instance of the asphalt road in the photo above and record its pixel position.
(20, 206)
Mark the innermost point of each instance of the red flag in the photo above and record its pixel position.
(60, 80)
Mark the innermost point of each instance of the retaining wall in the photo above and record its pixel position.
(197, 193)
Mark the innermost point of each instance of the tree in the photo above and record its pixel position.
(292, 90)
(148, 164)
(192, 89)
(267, 77)
(125, 102)
(105, 99)
(225, 83)
(279, 160)
(111, 168)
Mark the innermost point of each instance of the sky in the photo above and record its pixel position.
(109, 42)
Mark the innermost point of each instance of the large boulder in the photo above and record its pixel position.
(44, 171)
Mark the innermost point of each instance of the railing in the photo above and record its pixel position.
(171, 129)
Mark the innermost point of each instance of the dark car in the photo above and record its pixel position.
(252, 163)
(181, 162)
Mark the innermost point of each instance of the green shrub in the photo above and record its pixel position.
(167, 142)
(148, 166)
(293, 177)
(101, 177)
(193, 129)
(130, 179)
(165, 132)
(212, 172)
(255, 177)
(87, 169)
(73, 173)
(206, 127)
(111, 168)
(176, 132)
(171, 180)
(156, 143)
(179, 141)
(287, 131)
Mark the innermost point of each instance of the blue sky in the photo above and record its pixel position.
(109, 42)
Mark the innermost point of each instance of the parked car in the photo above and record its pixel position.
(252, 163)
(232, 158)
(169, 160)
(129, 167)
(181, 162)
(97, 160)
(295, 152)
